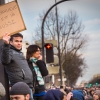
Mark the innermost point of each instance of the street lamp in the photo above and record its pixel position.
(42, 31)
(42, 27)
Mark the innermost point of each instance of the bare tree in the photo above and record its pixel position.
(74, 67)
(72, 40)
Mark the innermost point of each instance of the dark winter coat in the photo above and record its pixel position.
(44, 72)
(16, 65)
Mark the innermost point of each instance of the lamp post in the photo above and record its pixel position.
(42, 31)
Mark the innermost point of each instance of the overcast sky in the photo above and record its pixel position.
(88, 12)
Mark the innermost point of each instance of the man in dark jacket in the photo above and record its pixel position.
(15, 63)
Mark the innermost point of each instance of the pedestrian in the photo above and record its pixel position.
(14, 62)
(39, 70)
(20, 91)
(62, 89)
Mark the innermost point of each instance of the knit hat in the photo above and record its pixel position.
(53, 95)
(20, 88)
(78, 94)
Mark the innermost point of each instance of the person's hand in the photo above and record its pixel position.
(69, 95)
(40, 57)
(6, 38)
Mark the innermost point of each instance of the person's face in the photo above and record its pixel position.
(20, 97)
(16, 42)
(95, 96)
(37, 53)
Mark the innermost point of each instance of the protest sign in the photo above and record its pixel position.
(11, 20)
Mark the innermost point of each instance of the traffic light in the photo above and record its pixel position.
(49, 52)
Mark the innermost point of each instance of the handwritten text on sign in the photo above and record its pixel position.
(10, 19)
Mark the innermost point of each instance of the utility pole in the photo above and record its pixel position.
(60, 68)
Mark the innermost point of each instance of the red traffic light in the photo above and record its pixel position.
(49, 52)
(48, 46)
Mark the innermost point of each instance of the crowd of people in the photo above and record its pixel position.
(79, 93)
(26, 74)
(21, 91)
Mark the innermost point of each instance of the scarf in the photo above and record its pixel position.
(37, 71)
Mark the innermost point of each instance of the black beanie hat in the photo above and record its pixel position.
(20, 88)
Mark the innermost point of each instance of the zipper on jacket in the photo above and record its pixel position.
(23, 74)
